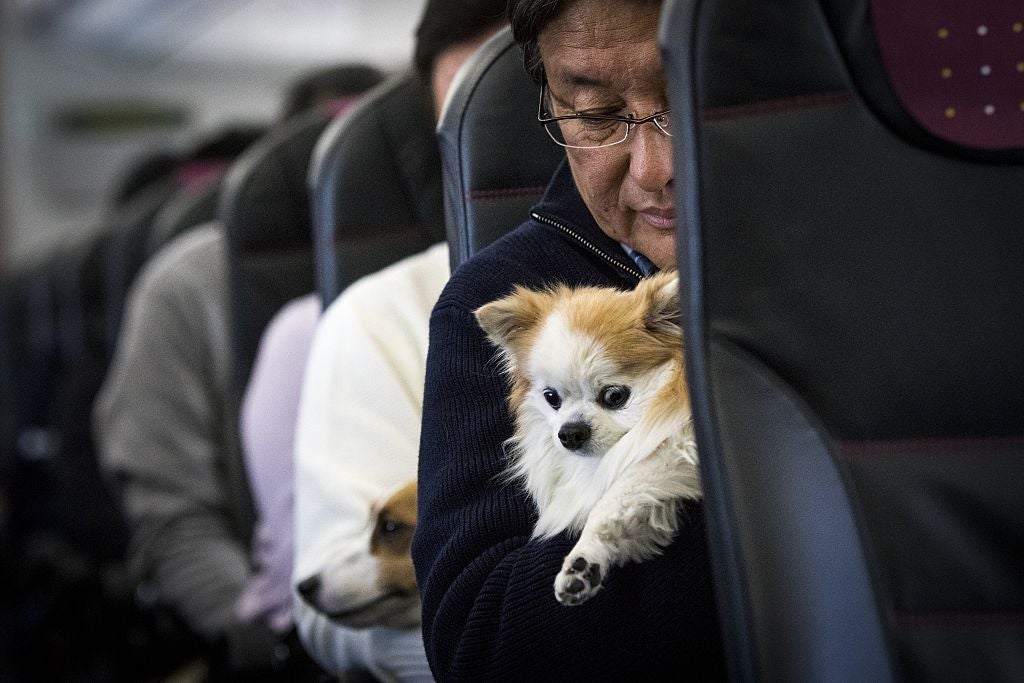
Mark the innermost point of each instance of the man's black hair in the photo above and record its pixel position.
(445, 23)
(528, 19)
(225, 144)
(142, 173)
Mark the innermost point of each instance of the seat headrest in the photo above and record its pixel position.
(921, 68)
(959, 72)
(497, 159)
(376, 185)
(183, 211)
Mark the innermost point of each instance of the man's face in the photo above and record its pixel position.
(601, 57)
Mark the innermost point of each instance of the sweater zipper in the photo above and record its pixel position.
(586, 243)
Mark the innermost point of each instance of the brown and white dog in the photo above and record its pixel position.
(603, 436)
(368, 580)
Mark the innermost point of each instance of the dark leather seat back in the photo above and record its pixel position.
(497, 159)
(376, 185)
(184, 210)
(264, 206)
(848, 182)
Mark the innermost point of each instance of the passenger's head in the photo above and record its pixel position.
(325, 85)
(449, 31)
(601, 57)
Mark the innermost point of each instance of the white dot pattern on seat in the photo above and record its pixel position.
(957, 67)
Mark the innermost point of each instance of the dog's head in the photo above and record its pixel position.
(585, 363)
(369, 580)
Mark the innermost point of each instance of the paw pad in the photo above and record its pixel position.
(578, 581)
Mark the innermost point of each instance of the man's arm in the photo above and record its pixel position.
(160, 425)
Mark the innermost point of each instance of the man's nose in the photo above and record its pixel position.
(650, 157)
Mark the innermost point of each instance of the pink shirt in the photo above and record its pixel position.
(268, 415)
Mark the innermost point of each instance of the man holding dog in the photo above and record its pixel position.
(607, 219)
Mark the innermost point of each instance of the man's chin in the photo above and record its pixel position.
(659, 247)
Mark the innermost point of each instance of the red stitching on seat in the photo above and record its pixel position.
(734, 111)
(473, 195)
(906, 618)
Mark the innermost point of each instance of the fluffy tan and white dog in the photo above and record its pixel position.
(604, 438)
(368, 580)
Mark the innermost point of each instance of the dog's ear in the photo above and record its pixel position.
(508, 318)
(661, 294)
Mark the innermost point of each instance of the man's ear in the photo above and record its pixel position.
(661, 293)
(506, 320)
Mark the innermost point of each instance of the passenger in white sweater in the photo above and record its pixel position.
(358, 436)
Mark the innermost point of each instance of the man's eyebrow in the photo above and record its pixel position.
(570, 76)
(583, 81)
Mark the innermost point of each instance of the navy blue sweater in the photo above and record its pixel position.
(489, 610)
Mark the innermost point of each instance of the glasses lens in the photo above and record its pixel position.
(555, 131)
(664, 122)
(585, 132)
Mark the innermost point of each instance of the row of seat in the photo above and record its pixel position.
(64, 536)
(852, 291)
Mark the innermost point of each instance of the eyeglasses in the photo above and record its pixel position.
(590, 131)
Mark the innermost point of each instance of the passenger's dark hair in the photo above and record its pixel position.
(225, 144)
(528, 19)
(445, 23)
(160, 166)
(343, 80)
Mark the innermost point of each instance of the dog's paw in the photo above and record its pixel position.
(578, 581)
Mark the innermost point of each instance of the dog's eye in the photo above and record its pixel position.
(390, 526)
(553, 399)
(614, 397)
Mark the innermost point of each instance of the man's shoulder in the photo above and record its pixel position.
(424, 269)
(411, 283)
(196, 256)
(532, 255)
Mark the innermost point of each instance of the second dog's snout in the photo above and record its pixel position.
(308, 587)
(574, 434)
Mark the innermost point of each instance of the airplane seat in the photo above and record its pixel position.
(497, 159)
(375, 185)
(32, 360)
(189, 207)
(11, 328)
(121, 243)
(138, 226)
(264, 207)
(89, 516)
(848, 184)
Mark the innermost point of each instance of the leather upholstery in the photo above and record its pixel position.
(497, 159)
(376, 185)
(852, 289)
(264, 206)
(185, 210)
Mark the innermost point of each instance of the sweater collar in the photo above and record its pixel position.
(563, 204)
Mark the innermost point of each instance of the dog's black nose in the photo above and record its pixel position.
(308, 587)
(574, 434)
